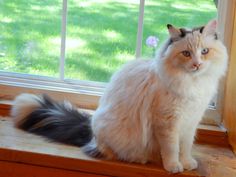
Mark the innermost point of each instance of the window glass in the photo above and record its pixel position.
(30, 36)
(101, 36)
(180, 13)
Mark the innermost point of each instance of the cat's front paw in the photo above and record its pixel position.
(189, 164)
(174, 167)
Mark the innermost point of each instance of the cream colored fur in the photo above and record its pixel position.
(153, 107)
(23, 106)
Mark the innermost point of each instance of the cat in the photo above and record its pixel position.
(150, 109)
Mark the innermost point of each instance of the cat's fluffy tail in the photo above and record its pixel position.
(60, 122)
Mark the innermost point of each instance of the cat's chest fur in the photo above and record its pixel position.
(190, 96)
(185, 101)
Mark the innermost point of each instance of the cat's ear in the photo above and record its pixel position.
(173, 32)
(210, 28)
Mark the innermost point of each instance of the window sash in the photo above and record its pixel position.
(61, 88)
(63, 40)
(138, 52)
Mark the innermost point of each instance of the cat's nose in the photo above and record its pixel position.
(197, 65)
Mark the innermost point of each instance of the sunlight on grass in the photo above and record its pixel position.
(36, 7)
(207, 7)
(85, 3)
(202, 7)
(54, 41)
(101, 34)
(122, 56)
(6, 20)
(74, 44)
(71, 43)
(112, 35)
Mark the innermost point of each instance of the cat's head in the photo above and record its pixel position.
(195, 51)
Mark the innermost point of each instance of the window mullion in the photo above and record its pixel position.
(63, 40)
(140, 30)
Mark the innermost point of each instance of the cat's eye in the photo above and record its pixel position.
(205, 51)
(186, 53)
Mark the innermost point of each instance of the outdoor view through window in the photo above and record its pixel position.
(101, 34)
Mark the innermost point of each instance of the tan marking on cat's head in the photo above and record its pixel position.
(194, 51)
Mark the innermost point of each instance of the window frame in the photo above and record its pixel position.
(229, 101)
(86, 94)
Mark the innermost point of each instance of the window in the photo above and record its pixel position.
(27, 41)
(88, 41)
(101, 36)
(92, 39)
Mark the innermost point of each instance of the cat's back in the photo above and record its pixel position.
(132, 78)
(137, 68)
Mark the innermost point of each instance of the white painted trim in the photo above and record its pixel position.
(82, 94)
(63, 40)
(50, 83)
(138, 52)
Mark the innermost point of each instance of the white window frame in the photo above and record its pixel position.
(86, 94)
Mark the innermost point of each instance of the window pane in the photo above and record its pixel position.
(30, 36)
(101, 36)
(181, 13)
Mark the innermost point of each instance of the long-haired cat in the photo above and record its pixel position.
(150, 108)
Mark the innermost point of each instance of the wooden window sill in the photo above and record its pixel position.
(23, 154)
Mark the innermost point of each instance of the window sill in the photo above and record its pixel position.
(206, 134)
(24, 154)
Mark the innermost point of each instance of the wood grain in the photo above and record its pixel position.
(229, 115)
(210, 134)
(5, 107)
(24, 154)
(26, 170)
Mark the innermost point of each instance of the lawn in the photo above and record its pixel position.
(101, 34)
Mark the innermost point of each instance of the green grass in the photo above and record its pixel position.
(101, 34)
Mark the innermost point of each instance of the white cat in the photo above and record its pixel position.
(150, 107)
